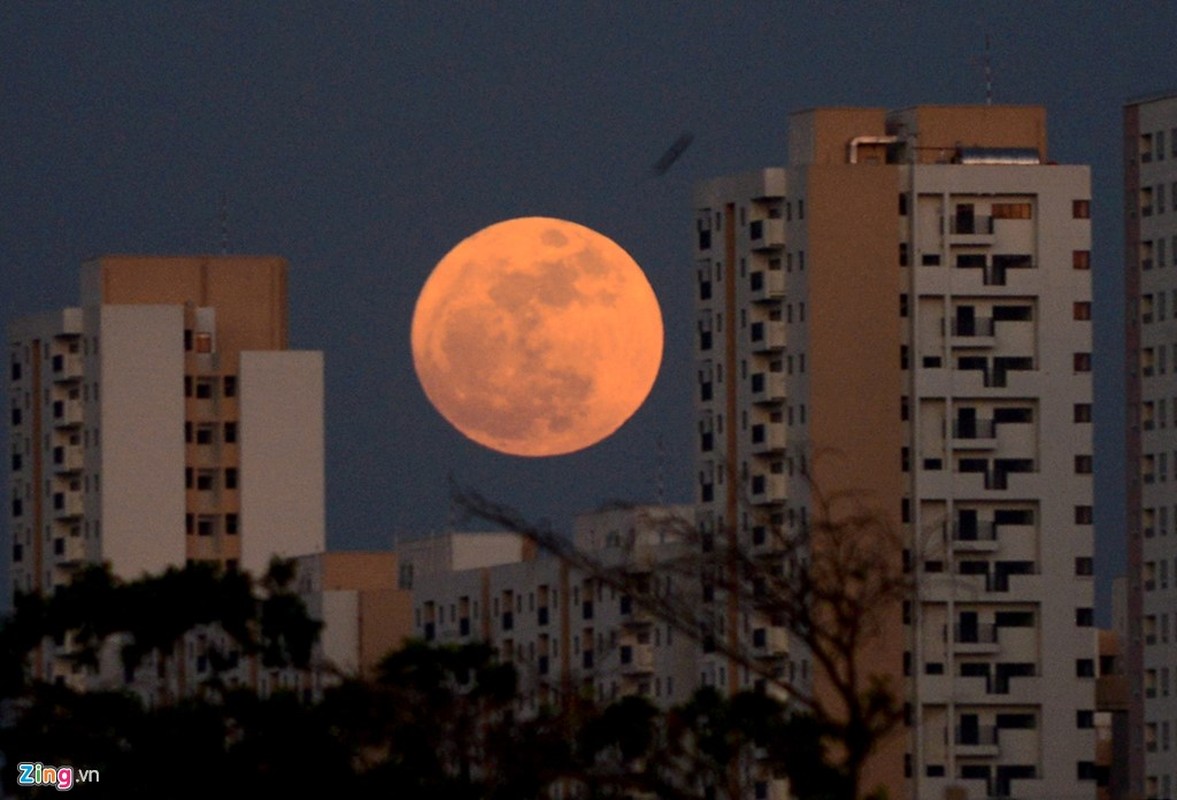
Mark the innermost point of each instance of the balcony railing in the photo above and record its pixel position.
(978, 736)
(981, 633)
(979, 531)
(972, 326)
(974, 429)
(971, 226)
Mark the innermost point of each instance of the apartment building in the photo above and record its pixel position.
(570, 626)
(900, 318)
(1150, 238)
(163, 420)
(365, 614)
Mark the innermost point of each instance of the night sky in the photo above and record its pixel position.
(362, 141)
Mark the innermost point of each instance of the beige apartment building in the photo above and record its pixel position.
(1150, 271)
(901, 317)
(163, 420)
(568, 630)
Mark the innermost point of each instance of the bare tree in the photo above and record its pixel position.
(835, 584)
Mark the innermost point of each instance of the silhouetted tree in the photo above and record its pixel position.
(833, 584)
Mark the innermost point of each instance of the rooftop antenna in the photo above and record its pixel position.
(224, 218)
(988, 73)
(659, 477)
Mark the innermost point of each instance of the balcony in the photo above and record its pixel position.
(636, 659)
(67, 504)
(976, 536)
(66, 367)
(766, 337)
(767, 387)
(72, 550)
(998, 479)
(767, 285)
(974, 331)
(767, 489)
(976, 638)
(970, 225)
(67, 413)
(770, 642)
(767, 234)
(767, 438)
(632, 614)
(67, 458)
(974, 740)
(974, 433)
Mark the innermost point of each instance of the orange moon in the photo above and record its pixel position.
(537, 337)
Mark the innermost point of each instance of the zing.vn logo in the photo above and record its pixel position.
(37, 774)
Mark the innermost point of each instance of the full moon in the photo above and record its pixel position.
(537, 337)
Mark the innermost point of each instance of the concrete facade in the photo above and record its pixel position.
(163, 421)
(902, 316)
(567, 628)
(1150, 261)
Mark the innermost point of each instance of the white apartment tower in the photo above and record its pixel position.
(904, 313)
(163, 420)
(1150, 173)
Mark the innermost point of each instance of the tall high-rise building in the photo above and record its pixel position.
(901, 317)
(164, 420)
(1150, 239)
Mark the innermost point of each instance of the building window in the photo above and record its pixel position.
(230, 386)
(231, 478)
(1084, 667)
(188, 477)
(1081, 259)
(1083, 465)
(1083, 515)
(1081, 209)
(187, 340)
(231, 524)
(230, 432)
(204, 342)
(1085, 618)
(1082, 362)
(1013, 211)
(1081, 311)
(205, 480)
(206, 525)
(189, 524)
(187, 385)
(204, 434)
(204, 389)
(1084, 565)
(1084, 718)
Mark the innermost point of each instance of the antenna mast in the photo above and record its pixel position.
(224, 218)
(988, 74)
(659, 478)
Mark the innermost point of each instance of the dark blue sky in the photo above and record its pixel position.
(362, 141)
